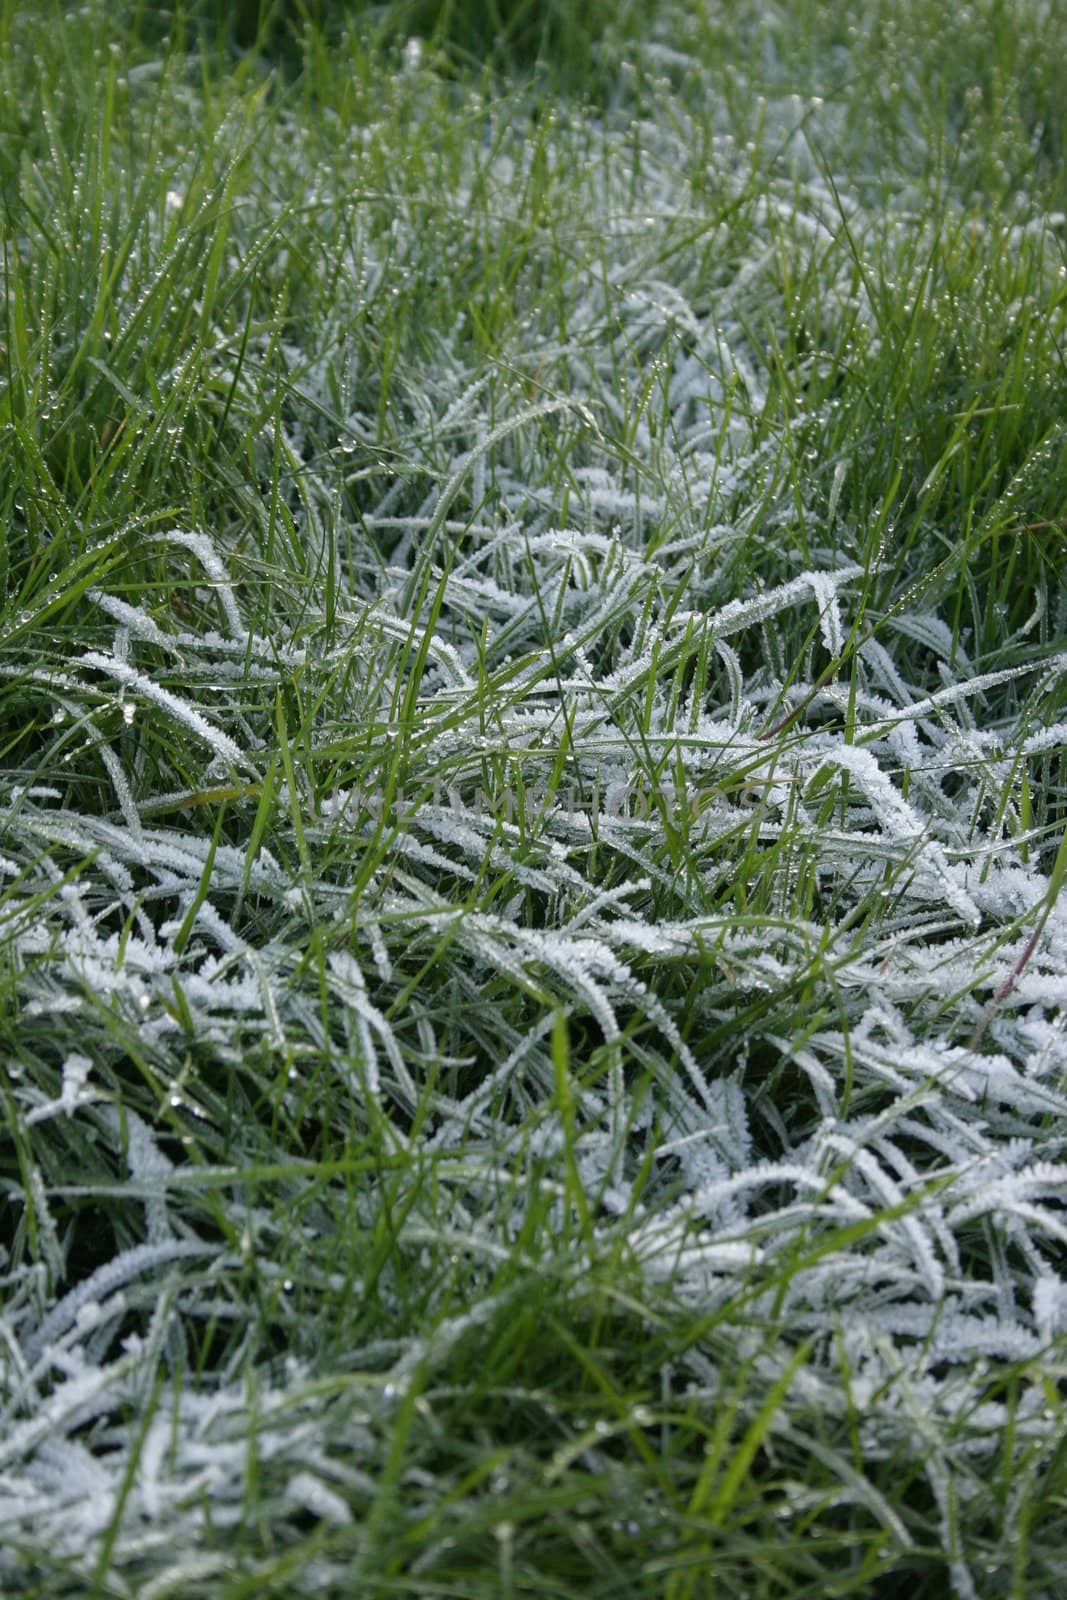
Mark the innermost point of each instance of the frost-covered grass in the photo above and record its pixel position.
(531, 809)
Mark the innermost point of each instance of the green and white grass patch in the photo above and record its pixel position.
(532, 810)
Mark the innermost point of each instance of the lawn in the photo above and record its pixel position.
(533, 587)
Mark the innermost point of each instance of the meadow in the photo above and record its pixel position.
(533, 800)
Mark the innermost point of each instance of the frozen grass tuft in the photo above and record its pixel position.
(532, 808)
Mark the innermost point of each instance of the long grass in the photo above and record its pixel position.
(532, 801)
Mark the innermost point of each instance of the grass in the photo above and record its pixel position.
(532, 802)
